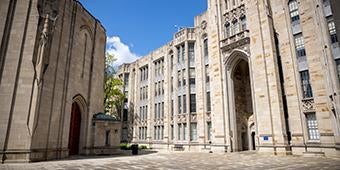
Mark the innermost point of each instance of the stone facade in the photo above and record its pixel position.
(51, 78)
(250, 75)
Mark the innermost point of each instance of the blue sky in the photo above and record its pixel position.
(136, 27)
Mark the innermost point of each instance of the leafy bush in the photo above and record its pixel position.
(125, 146)
(141, 147)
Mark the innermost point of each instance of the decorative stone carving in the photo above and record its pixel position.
(308, 105)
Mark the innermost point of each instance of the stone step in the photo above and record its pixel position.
(313, 154)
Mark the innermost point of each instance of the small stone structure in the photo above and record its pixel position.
(106, 134)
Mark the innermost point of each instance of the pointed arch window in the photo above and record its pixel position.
(227, 29)
(243, 22)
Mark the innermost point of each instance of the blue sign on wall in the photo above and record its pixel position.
(265, 138)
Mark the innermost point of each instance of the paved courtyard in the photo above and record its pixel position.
(182, 160)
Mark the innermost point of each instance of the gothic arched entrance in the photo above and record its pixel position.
(243, 105)
(74, 137)
(240, 102)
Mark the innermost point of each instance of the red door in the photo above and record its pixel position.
(73, 143)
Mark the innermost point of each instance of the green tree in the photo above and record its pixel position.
(113, 97)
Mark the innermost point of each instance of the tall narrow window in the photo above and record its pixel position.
(207, 77)
(179, 105)
(183, 52)
(306, 86)
(155, 111)
(172, 62)
(184, 103)
(205, 48)
(172, 132)
(107, 138)
(300, 45)
(179, 131)
(243, 22)
(193, 131)
(178, 54)
(191, 52)
(312, 126)
(184, 131)
(294, 11)
(337, 62)
(208, 102)
(172, 108)
(84, 56)
(209, 130)
(192, 76)
(235, 28)
(192, 103)
(227, 29)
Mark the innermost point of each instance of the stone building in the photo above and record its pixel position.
(51, 79)
(250, 75)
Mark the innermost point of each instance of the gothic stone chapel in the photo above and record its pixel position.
(51, 79)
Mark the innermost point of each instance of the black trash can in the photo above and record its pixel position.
(134, 148)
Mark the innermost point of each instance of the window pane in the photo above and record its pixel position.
(192, 103)
(306, 86)
(312, 126)
(193, 131)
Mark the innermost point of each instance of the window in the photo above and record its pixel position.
(179, 105)
(205, 47)
(183, 52)
(306, 86)
(184, 103)
(172, 84)
(155, 133)
(332, 31)
(192, 76)
(179, 54)
(107, 138)
(299, 45)
(193, 131)
(159, 110)
(162, 113)
(294, 11)
(243, 23)
(172, 108)
(172, 62)
(209, 130)
(184, 131)
(192, 103)
(179, 78)
(338, 67)
(172, 132)
(191, 52)
(179, 131)
(140, 133)
(207, 77)
(227, 29)
(162, 87)
(312, 126)
(235, 27)
(155, 111)
(208, 102)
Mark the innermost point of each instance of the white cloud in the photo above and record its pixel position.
(121, 51)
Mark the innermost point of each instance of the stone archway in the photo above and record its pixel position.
(240, 101)
(74, 135)
(243, 104)
(77, 129)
